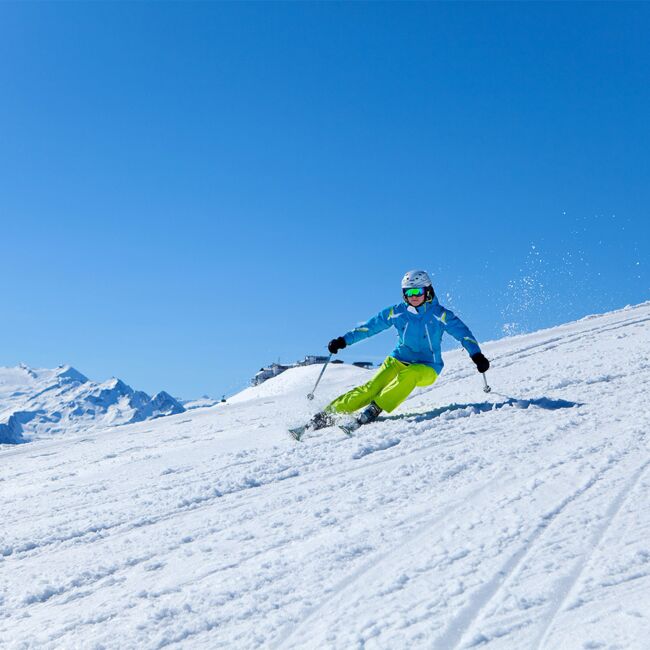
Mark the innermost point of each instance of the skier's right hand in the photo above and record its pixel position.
(482, 364)
(336, 344)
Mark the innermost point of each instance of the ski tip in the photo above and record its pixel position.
(347, 429)
(296, 433)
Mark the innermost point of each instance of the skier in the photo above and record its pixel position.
(420, 321)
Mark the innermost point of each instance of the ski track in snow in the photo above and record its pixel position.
(374, 565)
(460, 521)
(462, 626)
(568, 583)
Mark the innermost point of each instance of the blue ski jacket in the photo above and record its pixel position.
(420, 331)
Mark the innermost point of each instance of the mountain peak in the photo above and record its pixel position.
(30, 371)
(72, 374)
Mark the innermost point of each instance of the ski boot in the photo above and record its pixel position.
(321, 420)
(369, 414)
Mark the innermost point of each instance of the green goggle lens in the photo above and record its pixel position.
(411, 293)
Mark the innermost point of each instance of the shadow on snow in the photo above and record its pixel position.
(483, 407)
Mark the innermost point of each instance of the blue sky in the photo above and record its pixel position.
(189, 191)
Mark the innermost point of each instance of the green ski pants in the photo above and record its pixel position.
(391, 385)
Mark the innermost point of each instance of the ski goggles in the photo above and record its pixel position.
(415, 292)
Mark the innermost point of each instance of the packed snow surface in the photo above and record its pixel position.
(518, 519)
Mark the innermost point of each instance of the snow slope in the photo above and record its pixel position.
(518, 519)
(37, 403)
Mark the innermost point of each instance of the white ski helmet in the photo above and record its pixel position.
(414, 279)
(417, 279)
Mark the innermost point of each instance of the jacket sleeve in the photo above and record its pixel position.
(378, 323)
(454, 326)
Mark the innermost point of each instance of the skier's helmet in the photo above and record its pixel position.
(417, 279)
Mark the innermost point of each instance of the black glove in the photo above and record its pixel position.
(482, 364)
(336, 344)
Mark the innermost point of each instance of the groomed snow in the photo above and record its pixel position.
(518, 519)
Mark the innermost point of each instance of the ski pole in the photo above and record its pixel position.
(486, 388)
(311, 395)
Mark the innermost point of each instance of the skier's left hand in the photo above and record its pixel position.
(482, 364)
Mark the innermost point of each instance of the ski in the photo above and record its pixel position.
(349, 427)
(323, 420)
(297, 432)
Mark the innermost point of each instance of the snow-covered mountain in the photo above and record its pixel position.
(38, 403)
(516, 520)
(201, 402)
